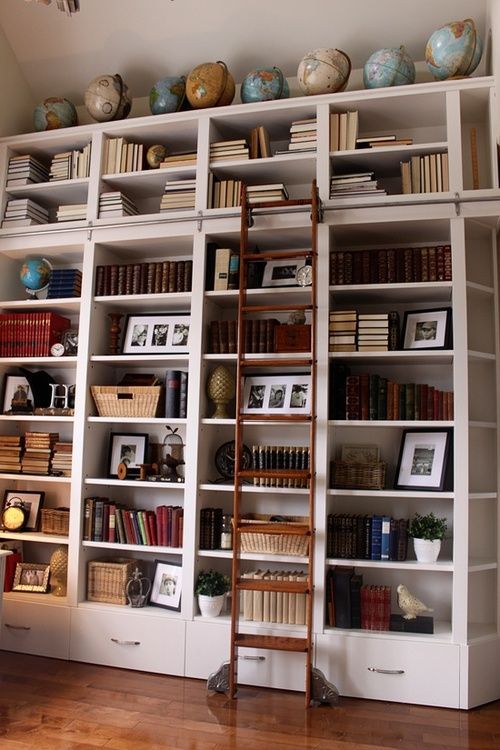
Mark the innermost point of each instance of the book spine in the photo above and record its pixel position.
(172, 393)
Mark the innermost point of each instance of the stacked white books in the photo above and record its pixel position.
(61, 459)
(342, 331)
(354, 184)
(116, 203)
(228, 150)
(263, 193)
(70, 165)
(303, 136)
(71, 212)
(23, 212)
(373, 332)
(185, 159)
(24, 170)
(178, 194)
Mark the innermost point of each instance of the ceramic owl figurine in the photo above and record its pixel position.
(409, 603)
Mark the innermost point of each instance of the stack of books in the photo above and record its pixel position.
(342, 331)
(38, 448)
(30, 334)
(303, 135)
(69, 165)
(186, 159)
(116, 203)
(263, 193)
(122, 156)
(373, 332)
(378, 141)
(427, 173)
(354, 184)
(391, 265)
(178, 194)
(144, 278)
(65, 282)
(210, 528)
(366, 537)
(343, 131)
(11, 448)
(25, 170)
(274, 606)
(279, 458)
(23, 212)
(72, 212)
(61, 460)
(229, 150)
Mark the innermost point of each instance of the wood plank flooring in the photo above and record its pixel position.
(57, 705)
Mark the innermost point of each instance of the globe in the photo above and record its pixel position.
(324, 71)
(454, 50)
(106, 98)
(210, 85)
(35, 275)
(390, 66)
(55, 112)
(263, 84)
(155, 155)
(167, 95)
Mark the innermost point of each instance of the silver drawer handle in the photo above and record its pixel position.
(17, 627)
(254, 658)
(386, 671)
(126, 643)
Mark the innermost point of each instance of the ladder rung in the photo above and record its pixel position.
(278, 254)
(287, 587)
(276, 362)
(242, 418)
(276, 642)
(274, 308)
(292, 529)
(275, 474)
(280, 204)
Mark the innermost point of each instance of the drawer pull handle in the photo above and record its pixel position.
(17, 627)
(254, 658)
(126, 643)
(386, 671)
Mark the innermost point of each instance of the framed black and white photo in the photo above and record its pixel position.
(281, 272)
(33, 577)
(277, 394)
(69, 340)
(17, 396)
(167, 585)
(423, 460)
(156, 333)
(31, 500)
(427, 329)
(128, 449)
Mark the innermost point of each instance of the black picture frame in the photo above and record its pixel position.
(166, 589)
(427, 329)
(424, 462)
(130, 448)
(31, 498)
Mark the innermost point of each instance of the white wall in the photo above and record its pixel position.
(16, 112)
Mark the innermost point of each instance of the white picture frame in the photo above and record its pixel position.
(156, 333)
(277, 394)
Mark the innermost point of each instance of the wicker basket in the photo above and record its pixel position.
(55, 521)
(123, 401)
(357, 476)
(107, 579)
(274, 544)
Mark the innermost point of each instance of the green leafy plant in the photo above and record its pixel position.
(427, 527)
(212, 583)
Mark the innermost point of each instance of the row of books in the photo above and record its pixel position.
(343, 130)
(24, 212)
(114, 203)
(176, 390)
(260, 143)
(274, 606)
(350, 604)
(366, 537)
(223, 337)
(30, 453)
(280, 457)
(64, 282)
(210, 528)
(155, 277)
(30, 334)
(70, 165)
(184, 159)
(228, 150)
(62, 458)
(71, 212)
(223, 266)
(223, 193)
(391, 265)
(107, 521)
(178, 194)
(426, 173)
(354, 184)
(122, 156)
(350, 331)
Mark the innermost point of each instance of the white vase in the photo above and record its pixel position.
(210, 606)
(426, 550)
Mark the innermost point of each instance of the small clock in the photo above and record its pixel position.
(225, 459)
(15, 517)
(57, 350)
(303, 276)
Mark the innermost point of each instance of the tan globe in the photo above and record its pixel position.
(210, 85)
(324, 71)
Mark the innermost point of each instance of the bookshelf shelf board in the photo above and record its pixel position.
(220, 357)
(472, 286)
(481, 356)
(258, 627)
(35, 478)
(136, 420)
(105, 482)
(144, 302)
(442, 566)
(482, 425)
(481, 631)
(432, 291)
(436, 204)
(391, 493)
(35, 536)
(22, 596)
(295, 169)
(483, 496)
(61, 306)
(33, 418)
(131, 611)
(149, 218)
(442, 633)
(40, 361)
(422, 357)
(135, 547)
(434, 423)
(209, 420)
(54, 193)
(147, 183)
(227, 554)
(477, 565)
(383, 160)
(139, 360)
(252, 488)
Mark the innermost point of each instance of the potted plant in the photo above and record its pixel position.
(427, 532)
(211, 588)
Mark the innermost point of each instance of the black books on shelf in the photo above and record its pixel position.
(65, 282)
(210, 528)
(176, 383)
(391, 265)
(155, 277)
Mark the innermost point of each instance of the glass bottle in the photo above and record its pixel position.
(226, 537)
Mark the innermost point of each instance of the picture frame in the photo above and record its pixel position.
(277, 394)
(69, 340)
(17, 395)
(360, 454)
(156, 333)
(32, 499)
(166, 590)
(128, 448)
(281, 272)
(427, 329)
(423, 461)
(32, 577)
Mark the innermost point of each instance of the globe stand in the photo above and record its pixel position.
(33, 293)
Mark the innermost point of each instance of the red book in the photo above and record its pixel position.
(10, 569)
(151, 522)
(168, 524)
(129, 530)
(111, 526)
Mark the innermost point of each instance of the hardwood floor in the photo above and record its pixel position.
(55, 705)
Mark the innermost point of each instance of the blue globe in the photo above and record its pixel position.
(391, 66)
(55, 112)
(35, 274)
(454, 50)
(264, 84)
(167, 95)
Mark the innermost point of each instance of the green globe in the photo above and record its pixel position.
(35, 275)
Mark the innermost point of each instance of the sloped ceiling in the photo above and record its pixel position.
(145, 40)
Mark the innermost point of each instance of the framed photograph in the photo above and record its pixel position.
(156, 333)
(69, 340)
(277, 394)
(32, 577)
(423, 460)
(17, 397)
(130, 450)
(360, 454)
(167, 585)
(427, 329)
(281, 272)
(33, 501)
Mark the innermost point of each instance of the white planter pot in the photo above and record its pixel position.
(210, 606)
(426, 551)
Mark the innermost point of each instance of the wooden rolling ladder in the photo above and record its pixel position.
(245, 362)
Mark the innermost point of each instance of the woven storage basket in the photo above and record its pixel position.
(55, 521)
(358, 476)
(123, 401)
(107, 579)
(275, 544)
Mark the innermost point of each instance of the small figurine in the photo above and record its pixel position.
(169, 466)
(409, 603)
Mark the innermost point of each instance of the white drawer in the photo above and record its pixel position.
(387, 669)
(39, 629)
(128, 639)
(207, 647)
